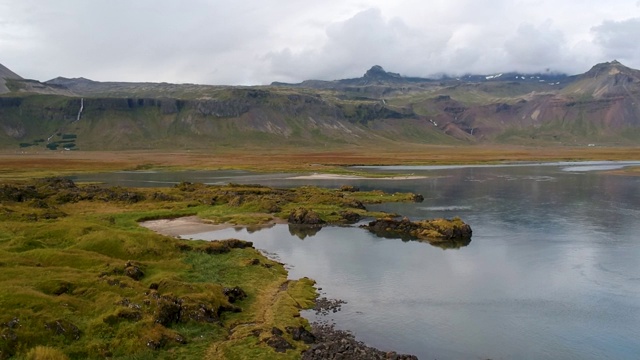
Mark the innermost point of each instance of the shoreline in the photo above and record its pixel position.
(351, 177)
(189, 225)
(329, 342)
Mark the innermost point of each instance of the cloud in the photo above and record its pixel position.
(354, 45)
(368, 38)
(233, 42)
(532, 46)
(619, 39)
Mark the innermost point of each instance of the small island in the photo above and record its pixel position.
(445, 233)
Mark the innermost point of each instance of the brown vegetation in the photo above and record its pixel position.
(29, 164)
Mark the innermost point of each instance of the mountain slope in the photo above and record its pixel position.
(380, 108)
(6, 74)
(606, 80)
(235, 117)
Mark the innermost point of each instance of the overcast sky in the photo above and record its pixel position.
(256, 42)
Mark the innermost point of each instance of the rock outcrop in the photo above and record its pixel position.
(331, 343)
(304, 216)
(433, 231)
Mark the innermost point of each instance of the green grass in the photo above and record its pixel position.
(64, 288)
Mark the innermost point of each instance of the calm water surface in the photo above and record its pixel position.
(552, 271)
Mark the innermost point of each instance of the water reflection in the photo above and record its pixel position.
(451, 244)
(444, 244)
(552, 272)
(303, 231)
(254, 228)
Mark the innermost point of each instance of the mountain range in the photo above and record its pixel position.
(599, 107)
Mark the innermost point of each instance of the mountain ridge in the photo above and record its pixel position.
(599, 106)
(6, 74)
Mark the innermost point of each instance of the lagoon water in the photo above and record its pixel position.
(552, 271)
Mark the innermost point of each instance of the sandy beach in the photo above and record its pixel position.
(182, 226)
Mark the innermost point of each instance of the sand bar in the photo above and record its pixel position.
(351, 177)
(189, 225)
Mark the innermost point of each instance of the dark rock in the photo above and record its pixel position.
(417, 198)
(154, 286)
(168, 311)
(350, 216)
(56, 183)
(300, 333)
(305, 216)
(279, 344)
(64, 328)
(130, 197)
(17, 194)
(171, 309)
(234, 294)
(237, 244)
(13, 323)
(323, 305)
(216, 247)
(129, 314)
(224, 246)
(198, 312)
(134, 272)
(332, 344)
(156, 344)
(276, 331)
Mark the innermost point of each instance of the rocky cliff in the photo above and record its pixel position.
(601, 106)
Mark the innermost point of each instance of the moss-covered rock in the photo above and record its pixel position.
(305, 216)
(433, 231)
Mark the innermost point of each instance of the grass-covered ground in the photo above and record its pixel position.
(80, 279)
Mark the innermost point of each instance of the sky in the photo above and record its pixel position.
(255, 42)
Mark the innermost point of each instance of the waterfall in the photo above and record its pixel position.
(81, 108)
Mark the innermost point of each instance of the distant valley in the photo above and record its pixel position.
(598, 108)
